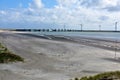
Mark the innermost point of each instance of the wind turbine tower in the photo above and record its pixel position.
(116, 26)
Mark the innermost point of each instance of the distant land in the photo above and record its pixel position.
(56, 30)
(62, 30)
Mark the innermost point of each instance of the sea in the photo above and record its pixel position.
(101, 35)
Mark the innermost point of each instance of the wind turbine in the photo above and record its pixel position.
(116, 26)
(99, 27)
(81, 25)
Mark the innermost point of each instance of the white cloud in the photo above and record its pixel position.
(36, 4)
(2, 12)
(73, 12)
(67, 3)
(109, 2)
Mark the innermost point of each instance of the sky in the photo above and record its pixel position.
(17, 14)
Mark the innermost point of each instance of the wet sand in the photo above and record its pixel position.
(57, 57)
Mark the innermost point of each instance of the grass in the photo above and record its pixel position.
(103, 76)
(6, 56)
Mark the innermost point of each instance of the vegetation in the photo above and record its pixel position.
(103, 76)
(6, 56)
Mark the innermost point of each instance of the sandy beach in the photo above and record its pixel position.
(57, 57)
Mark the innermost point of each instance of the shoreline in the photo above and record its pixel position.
(88, 41)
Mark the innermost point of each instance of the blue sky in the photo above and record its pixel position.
(56, 13)
(7, 4)
(49, 3)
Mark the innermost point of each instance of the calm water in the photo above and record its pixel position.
(108, 35)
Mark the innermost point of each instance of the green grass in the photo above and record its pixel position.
(103, 76)
(6, 56)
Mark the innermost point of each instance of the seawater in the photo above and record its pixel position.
(106, 35)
